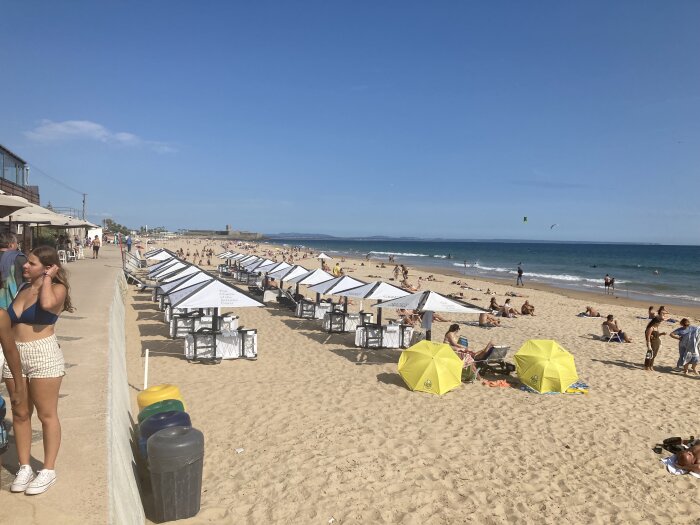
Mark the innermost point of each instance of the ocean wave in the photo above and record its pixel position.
(401, 253)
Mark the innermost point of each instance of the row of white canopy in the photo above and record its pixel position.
(188, 286)
(322, 282)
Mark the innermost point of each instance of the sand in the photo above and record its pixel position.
(330, 433)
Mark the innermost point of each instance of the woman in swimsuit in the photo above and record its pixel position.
(33, 313)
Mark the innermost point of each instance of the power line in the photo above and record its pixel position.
(59, 182)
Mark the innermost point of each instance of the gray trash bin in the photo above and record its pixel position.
(175, 460)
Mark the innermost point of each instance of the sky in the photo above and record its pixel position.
(448, 119)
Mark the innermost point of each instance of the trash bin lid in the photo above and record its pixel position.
(175, 447)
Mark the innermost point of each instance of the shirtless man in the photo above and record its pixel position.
(689, 459)
(613, 327)
(527, 308)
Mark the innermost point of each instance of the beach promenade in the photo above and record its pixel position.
(80, 494)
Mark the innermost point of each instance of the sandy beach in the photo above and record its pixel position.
(330, 433)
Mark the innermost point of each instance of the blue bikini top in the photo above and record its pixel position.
(35, 314)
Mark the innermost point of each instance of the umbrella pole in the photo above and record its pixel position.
(429, 330)
(379, 313)
(345, 307)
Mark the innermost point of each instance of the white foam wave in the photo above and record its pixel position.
(401, 253)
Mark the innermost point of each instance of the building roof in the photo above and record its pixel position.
(13, 154)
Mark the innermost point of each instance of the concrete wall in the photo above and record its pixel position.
(125, 506)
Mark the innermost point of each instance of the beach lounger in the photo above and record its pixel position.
(609, 335)
(495, 361)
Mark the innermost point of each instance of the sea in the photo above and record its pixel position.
(658, 274)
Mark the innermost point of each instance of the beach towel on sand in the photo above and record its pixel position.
(579, 387)
(670, 463)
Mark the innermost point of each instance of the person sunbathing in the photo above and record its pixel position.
(488, 320)
(591, 312)
(507, 310)
(408, 316)
(614, 327)
(689, 459)
(436, 317)
(464, 351)
(409, 287)
(527, 308)
(493, 305)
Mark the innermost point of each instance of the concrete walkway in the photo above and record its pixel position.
(80, 493)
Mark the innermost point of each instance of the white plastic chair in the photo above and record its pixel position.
(81, 253)
(71, 256)
(611, 335)
(62, 256)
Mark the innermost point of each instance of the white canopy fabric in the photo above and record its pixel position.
(429, 301)
(250, 259)
(312, 277)
(162, 255)
(270, 268)
(211, 294)
(375, 290)
(190, 270)
(161, 265)
(9, 205)
(165, 270)
(224, 255)
(323, 256)
(288, 273)
(183, 282)
(238, 256)
(253, 267)
(337, 285)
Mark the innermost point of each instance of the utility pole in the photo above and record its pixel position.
(84, 204)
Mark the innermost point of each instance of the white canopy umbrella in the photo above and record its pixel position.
(287, 274)
(167, 269)
(184, 281)
(430, 301)
(224, 255)
(311, 278)
(238, 256)
(335, 286)
(9, 205)
(270, 268)
(161, 255)
(253, 267)
(183, 272)
(161, 265)
(211, 294)
(323, 256)
(378, 290)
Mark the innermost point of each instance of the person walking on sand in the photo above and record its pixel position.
(688, 340)
(519, 280)
(96, 247)
(33, 314)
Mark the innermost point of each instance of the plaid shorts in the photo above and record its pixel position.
(40, 359)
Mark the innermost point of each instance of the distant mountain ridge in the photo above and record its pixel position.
(325, 237)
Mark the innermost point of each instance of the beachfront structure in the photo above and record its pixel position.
(14, 176)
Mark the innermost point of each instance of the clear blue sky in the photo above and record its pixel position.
(451, 119)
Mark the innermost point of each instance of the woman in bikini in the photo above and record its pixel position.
(33, 314)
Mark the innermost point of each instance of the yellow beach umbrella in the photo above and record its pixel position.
(545, 366)
(430, 367)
